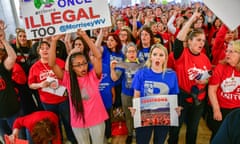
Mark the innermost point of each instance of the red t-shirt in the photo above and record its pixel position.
(228, 92)
(30, 120)
(188, 67)
(38, 73)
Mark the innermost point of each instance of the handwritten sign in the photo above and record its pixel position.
(44, 18)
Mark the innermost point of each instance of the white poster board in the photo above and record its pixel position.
(227, 10)
(44, 18)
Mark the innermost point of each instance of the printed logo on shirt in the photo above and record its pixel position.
(46, 73)
(118, 59)
(153, 88)
(197, 73)
(142, 57)
(84, 94)
(230, 88)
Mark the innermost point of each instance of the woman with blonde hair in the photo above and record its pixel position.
(224, 86)
(154, 79)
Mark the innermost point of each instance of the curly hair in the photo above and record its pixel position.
(43, 131)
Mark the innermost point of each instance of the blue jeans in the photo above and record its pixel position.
(6, 125)
(63, 112)
(191, 114)
(143, 134)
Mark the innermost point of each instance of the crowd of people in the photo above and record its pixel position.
(76, 79)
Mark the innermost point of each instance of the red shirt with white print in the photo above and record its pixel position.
(228, 92)
(40, 72)
(188, 67)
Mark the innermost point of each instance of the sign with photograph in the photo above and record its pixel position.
(155, 110)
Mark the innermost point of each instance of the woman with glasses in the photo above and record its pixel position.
(224, 86)
(127, 70)
(87, 110)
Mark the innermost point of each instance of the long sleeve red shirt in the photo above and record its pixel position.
(30, 120)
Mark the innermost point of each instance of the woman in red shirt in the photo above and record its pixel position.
(43, 127)
(224, 86)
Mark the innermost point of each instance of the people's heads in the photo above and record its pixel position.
(161, 27)
(231, 35)
(43, 132)
(233, 54)
(125, 35)
(188, 12)
(158, 57)
(131, 52)
(196, 40)
(164, 19)
(21, 40)
(43, 49)
(80, 43)
(114, 42)
(146, 37)
(120, 23)
(153, 26)
(217, 23)
(78, 64)
(158, 11)
(199, 22)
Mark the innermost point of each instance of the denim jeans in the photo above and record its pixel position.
(190, 114)
(96, 133)
(6, 125)
(143, 134)
(63, 112)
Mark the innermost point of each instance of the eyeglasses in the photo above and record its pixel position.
(80, 64)
(44, 48)
(121, 34)
(131, 51)
(231, 51)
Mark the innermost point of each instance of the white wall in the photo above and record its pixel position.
(9, 15)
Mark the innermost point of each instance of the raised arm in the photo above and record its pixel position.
(11, 55)
(170, 24)
(67, 41)
(96, 58)
(99, 40)
(182, 35)
(52, 58)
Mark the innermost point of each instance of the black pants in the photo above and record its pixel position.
(215, 125)
(190, 114)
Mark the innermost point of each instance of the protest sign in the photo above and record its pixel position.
(155, 110)
(44, 18)
(227, 11)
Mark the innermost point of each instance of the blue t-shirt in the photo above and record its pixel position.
(150, 83)
(143, 55)
(108, 56)
(105, 87)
